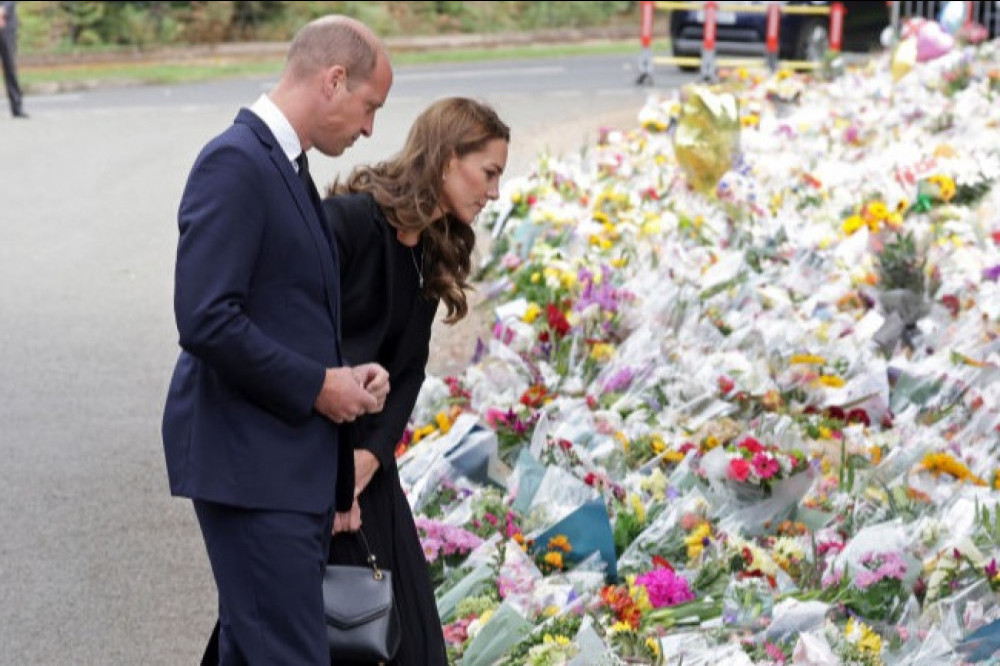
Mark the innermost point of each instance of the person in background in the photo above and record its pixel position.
(403, 229)
(252, 421)
(8, 57)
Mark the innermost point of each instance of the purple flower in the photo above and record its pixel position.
(992, 273)
(991, 568)
(619, 381)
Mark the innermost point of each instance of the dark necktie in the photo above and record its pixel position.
(304, 176)
(307, 182)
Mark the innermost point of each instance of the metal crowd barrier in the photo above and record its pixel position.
(708, 62)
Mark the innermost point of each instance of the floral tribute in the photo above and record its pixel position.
(754, 422)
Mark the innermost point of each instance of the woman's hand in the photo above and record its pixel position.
(365, 466)
(348, 521)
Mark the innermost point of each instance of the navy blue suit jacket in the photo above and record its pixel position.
(257, 308)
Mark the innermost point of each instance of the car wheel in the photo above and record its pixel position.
(813, 42)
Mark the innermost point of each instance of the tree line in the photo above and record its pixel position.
(54, 26)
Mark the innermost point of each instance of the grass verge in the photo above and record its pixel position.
(52, 78)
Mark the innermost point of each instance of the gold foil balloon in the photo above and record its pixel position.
(903, 58)
(707, 137)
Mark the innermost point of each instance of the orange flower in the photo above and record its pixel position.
(554, 560)
(945, 463)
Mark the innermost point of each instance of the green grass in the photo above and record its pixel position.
(39, 78)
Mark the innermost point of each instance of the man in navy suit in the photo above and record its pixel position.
(250, 427)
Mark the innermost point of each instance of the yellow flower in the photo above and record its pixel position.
(672, 456)
(807, 359)
(695, 541)
(710, 442)
(620, 627)
(894, 220)
(551, 611)
(831, 381)
(946, 186)
(516, 197)
(878, 210)
(945, 463)
(651, 224)
(443, 422)
(536, 277)
(868, 641)
(531, 313)
(638, 508)
(654, 646)
(558, 639)
(422, 432)
(559, 542)
(620, 262)
(602, 352)
(568, 279)
(620, 436)
(657, 444)
(825, 433)
(600, 217)
(944, 150)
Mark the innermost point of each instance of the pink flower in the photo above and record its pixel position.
(665, 588)
(765, 465)
(739, 469)
(774, 652)
(751, 445)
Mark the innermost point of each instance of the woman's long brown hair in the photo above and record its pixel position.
(408, 189)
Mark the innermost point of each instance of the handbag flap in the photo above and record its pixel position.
(352, 596)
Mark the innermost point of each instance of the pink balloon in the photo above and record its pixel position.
(933, 42)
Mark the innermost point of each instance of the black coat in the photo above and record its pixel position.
(386, 320)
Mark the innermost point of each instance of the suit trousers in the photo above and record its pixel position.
(268, 567)
(8, 55)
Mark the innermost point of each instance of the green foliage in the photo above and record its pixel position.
(51, 26)
(900, 265)
(988, 527)
(566, 626)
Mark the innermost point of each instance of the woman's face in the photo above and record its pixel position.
(472, 180)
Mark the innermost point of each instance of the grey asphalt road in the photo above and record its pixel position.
(98, 564)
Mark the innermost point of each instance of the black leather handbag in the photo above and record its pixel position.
(362, 622)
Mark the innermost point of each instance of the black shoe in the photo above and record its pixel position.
(21, 114)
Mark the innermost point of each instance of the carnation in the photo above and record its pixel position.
(665, 588)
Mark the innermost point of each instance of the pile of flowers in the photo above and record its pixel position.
(751, 424)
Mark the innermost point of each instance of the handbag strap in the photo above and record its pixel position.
(371, 556)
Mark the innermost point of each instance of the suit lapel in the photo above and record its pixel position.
(310, 213)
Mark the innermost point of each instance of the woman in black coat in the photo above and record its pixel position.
(403, 230)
